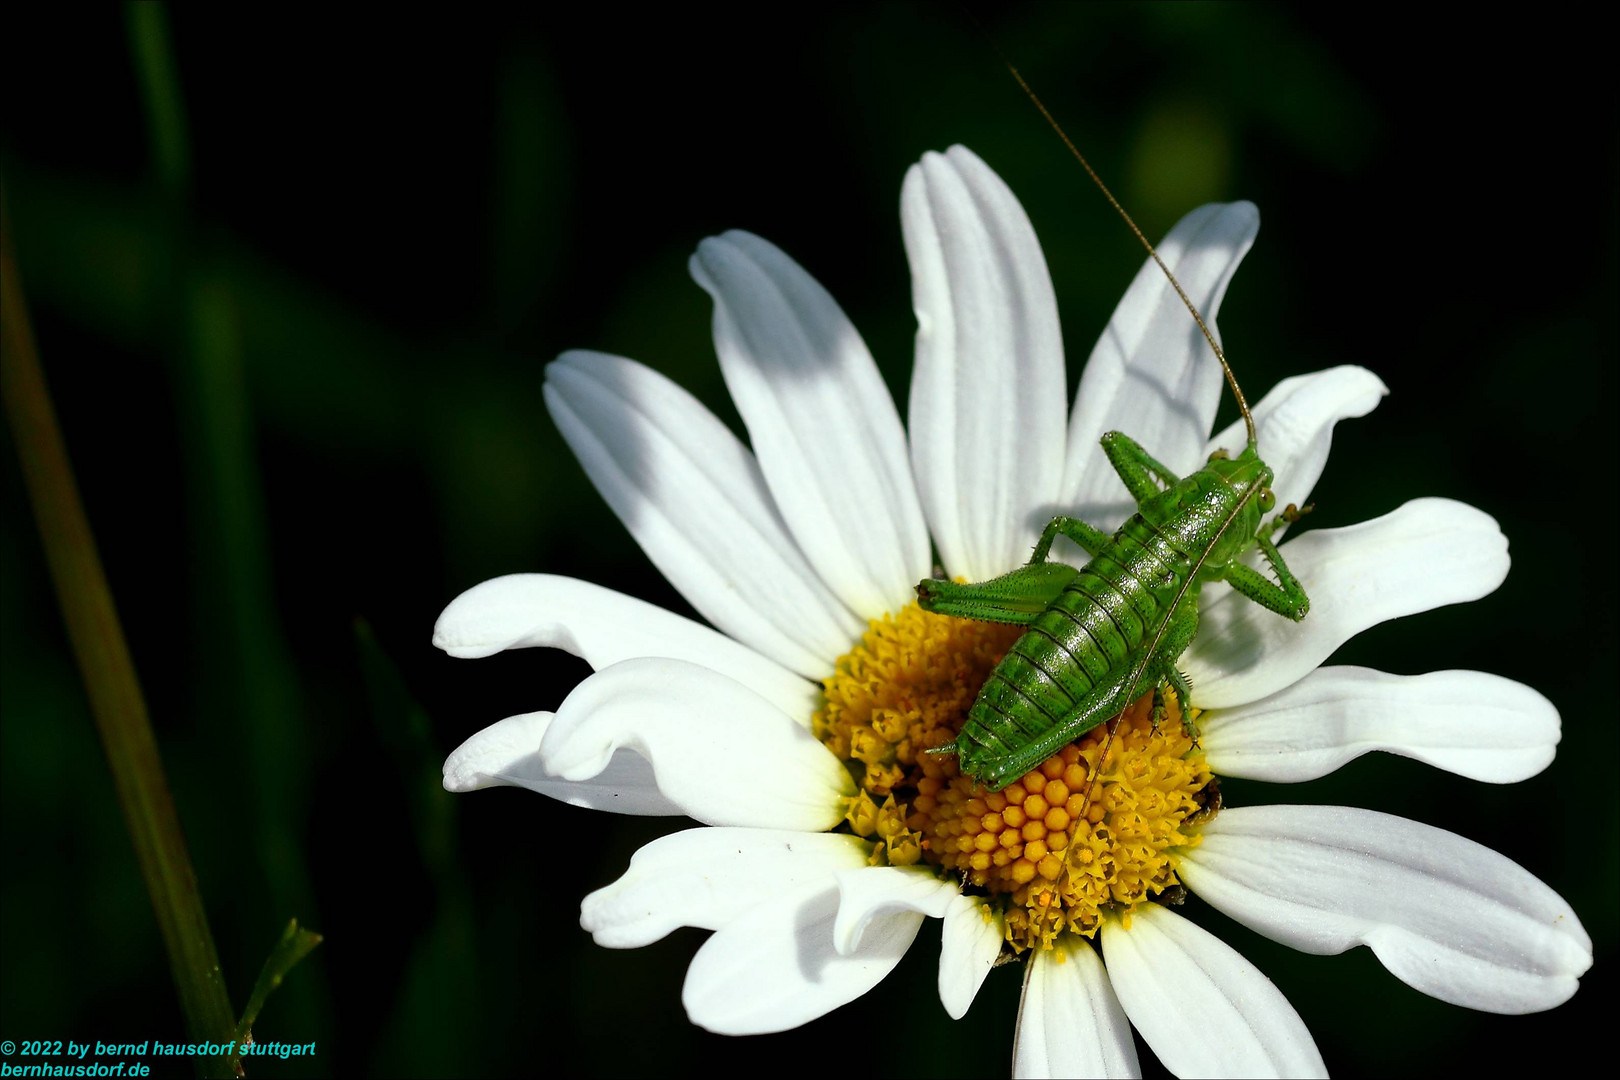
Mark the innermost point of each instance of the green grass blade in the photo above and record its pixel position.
(109, 676)
(160, 93)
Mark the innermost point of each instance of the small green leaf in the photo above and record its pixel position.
(295, 944)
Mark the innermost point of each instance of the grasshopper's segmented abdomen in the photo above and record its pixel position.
(1083, 640)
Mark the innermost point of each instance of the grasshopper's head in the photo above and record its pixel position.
(1250, 481)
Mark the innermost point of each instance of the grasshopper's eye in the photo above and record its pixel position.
(1267, 500)
(1219, 454)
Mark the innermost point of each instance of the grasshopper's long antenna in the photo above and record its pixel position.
(1242, 403)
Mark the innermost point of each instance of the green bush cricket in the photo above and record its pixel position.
(1101, 636)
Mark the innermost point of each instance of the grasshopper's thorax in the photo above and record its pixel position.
(1215, 513)
(1045, 860)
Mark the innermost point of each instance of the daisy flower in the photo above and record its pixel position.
(793, 728)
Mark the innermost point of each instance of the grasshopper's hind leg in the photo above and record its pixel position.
(1020, 595)
(1015, 597)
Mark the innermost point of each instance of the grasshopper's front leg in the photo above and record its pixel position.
(1136, 467)
(1286, 596)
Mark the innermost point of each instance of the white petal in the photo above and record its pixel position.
(875, 891)
(1203, 1009)
(1069, 1021)
(1294, 426)
(987, 392)
(1446, 915)
(1427, 553)
(604, 627)
(719, 751)
(820, 419)
(775, 968)
(709, 877)
(507, 754)
(694, 499)
(970, 943)
(1480, 726)
(1152, 374)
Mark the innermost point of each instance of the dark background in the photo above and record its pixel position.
(303, 401)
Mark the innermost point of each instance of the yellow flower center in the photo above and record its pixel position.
(1038, 850)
